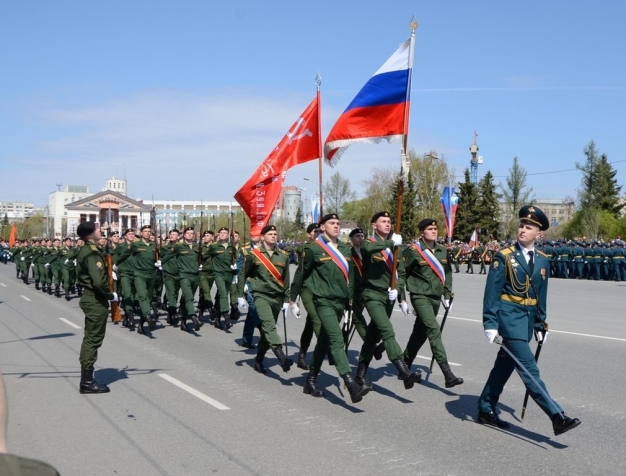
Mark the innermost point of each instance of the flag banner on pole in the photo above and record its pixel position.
(315, 209)
(449, 203)
(13, 236)
(474, 239)
(259, 194)
(378, 110)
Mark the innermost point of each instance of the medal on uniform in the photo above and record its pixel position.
(543, 273)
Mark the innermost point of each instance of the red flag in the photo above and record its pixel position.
(260, 193)
(12, 236)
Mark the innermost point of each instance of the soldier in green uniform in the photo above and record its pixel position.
(378, 299)
(312, 324)
(55, 266)
(252, 316)
(207, 278)
(514, 306)
(267, 270)
(67, 256)
(360, 324)
(38, 250)
(223, 258)
(92, 276)
(428, 279)
(327, 269)
(125, 276)
(143, 252)
(171, 276)
(482, 253)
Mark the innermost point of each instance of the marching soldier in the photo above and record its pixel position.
(92, 276)
(171, 276)
(223, 259)
(267, 270)
(207, 278)
(428, 279)
(514, 306)
(125, 276)
(67, 256)
(379, 299)
(327, 270)
(252, 317)
(360, 324)
(55, 266)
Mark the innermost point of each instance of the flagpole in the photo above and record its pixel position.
(318, 83)
(404, 162)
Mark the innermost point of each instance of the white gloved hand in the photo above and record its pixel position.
(114, 275)
(114, 266)
(393, 294)
(233, 267)
(491, 334)
(22, 258)
(285, 306)
(47, 265)
(158, 264)
(200, 268)
(446, 304)
(295, 310)
(397, 239)
(114, 299)
(405, 308)
(245, 288)
(541, 336)
(75, 264)
(67, 261)
(242, 305)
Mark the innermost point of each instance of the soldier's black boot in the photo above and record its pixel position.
(67, 295)
(379, 351)
(57, 291)
(357, 392)
(217, 322)
(142, 321)
(234, 313)
(89, 385)
(258, 362)
(561, 424)
(197, 324)
(227, 323)
(201, 307)
(451, 379)
(50, 289)
(310, 387)
(302, 360)
(410, 378)
(154, 317)
(169, 319)
(79, 291)
(37, 285)
(212, 313)
(285, 362)
(361, 377)
(183, 324)
(130, 320)
(43, 288)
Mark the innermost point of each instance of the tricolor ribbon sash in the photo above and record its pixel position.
(433, 262)
(387, 254)
(336, 256)
(269, 266)
(358, 263)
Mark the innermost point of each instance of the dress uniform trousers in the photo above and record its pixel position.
(96, 311)
(312, 323)
(268, 308)
(360, 324)
(188, 287)
(144, 290)
(502, 370)
(252, 319)
(128, 298)
(425, 327)
(206, 283)
(330, 335)
(223, 284)
(171, 283)
(379, 308)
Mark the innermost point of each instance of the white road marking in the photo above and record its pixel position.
(3, 285)
(69, 323)
(24, 297)
(194, 392)
(428, 358)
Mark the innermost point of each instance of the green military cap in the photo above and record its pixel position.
(356, 231)
(115, 233)
(174, 230)
(426, 222)
(534, 216)
(85, 229)
(329, 216)
(379, 215)
(312, 226)
(208, 232)
(267, 229)
(222, 229)
(145, 227)
(127, 231)
(189, 228)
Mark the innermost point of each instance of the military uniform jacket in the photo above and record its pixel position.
(357, 262)
(207, 261)
(187, 257)
(376, 272)
(222, 259)
(514, 302)
(261, 280)
(323, 278)
(421, 279)
(168, 259)
(91, 271)
(143, 254)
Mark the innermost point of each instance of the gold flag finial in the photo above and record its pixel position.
(413, 24)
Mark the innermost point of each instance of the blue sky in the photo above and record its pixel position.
(187, 98)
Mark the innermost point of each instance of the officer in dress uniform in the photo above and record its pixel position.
(92, 276)
(514, 306)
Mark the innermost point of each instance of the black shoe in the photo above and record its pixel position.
(410, 378)
(258, 362)
(561, 424)
(67, 295)
(152, 321)
(491, 419)
(37, 285)
(302, 364)
(57, 292)
(451, 379)
(285, 362)
(357, 392)
(130, 320)
(183, 324)
(379, 351)
(79, 291)
(248, 346)
(217, 322)
(50, 289)
(168, 319)
(227, 323)
(310, 387)
(140, 329)
(196, 322)
(89, 385)
(361, 377)
(234, 314)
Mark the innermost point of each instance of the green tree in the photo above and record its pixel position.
(431, 175)
(337, 193)
(515, 195)
(467, 211)
(599, 188)
(408, 225)
(488, 206)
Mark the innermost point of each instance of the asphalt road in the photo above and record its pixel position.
(191, 404)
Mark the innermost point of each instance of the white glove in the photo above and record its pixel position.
(233, 267)
(22, 258)
(393, 294)
(114, 299)
(541, 336)
(242, 305)
(158, 264)
(295, 310)
(397, 239)
(114, 275)
(114, 266)
(491, 334)
(245, 288)
(446, 304)
(75, 264)
(67, 261)
(285, 306)
(405, 308)
(200, 268)
(47, 265)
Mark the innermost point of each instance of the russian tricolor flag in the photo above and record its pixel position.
(379, 111)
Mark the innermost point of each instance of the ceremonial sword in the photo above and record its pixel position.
(443, 323)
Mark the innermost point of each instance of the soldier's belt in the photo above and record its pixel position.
(519, 300)
(577, 256)
(564, 256)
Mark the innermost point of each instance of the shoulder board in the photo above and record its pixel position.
(283, 252)
(507, 251)
(542, 253)
(94, 248)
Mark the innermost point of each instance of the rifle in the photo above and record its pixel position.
(116, 316)
(200, 240)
